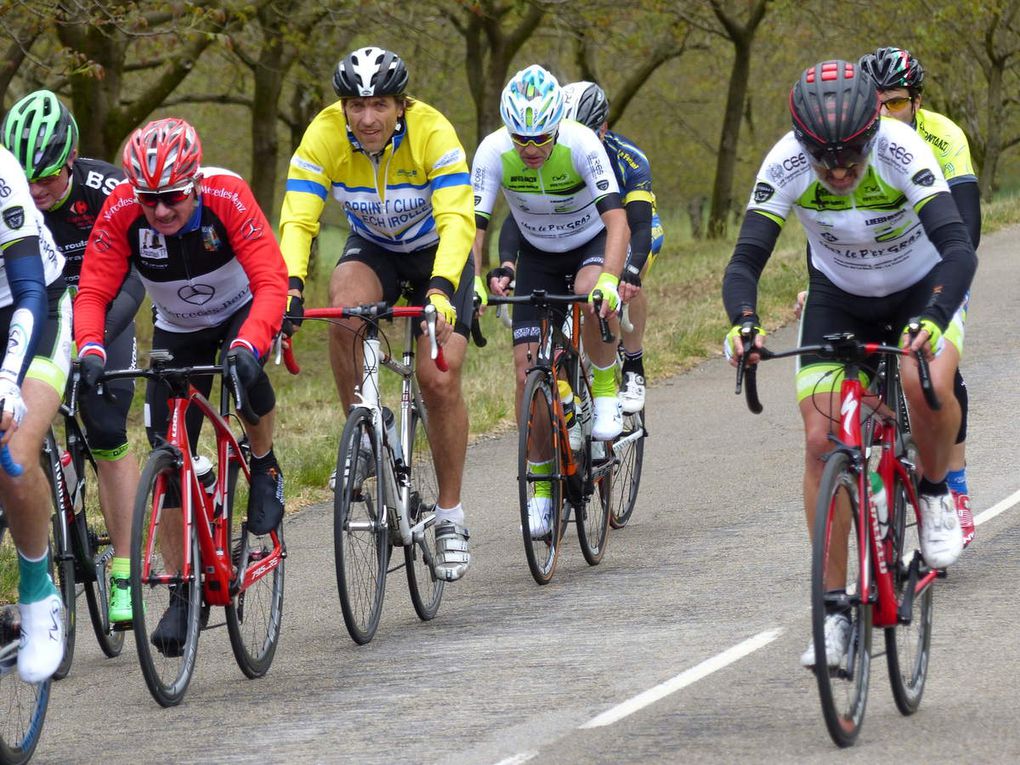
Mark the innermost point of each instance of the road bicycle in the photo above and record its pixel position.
(188, 542)
(79, 541)
(887, 583)
(580, 481)
(386, 488)
(628, 448)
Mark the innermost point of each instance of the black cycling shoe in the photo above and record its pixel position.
(172, 631)
(265, 502)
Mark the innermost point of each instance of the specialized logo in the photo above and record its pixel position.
(14, 217)
(251, 229)
(924, 177)
(196, 294)
(763, 192)
(848, 411)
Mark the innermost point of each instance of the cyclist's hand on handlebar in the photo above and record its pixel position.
(606, 284)
(12, 406)
(92, 364)
(248, 368)
(446, 316)
(733, 344)
(499, 279)
(923, 334)
(294, 315)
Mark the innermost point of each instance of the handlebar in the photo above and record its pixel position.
(542, 298)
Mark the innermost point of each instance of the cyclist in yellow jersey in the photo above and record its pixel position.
(398, 170)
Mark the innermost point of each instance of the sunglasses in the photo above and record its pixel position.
(50, 180)
(897, 104)
(538, 140)
(169, 198)
(847, 158)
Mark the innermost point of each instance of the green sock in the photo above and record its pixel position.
(120, 568)
(603, 381)
(542, 488)
(34, 582)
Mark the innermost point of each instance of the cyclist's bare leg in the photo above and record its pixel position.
(352, 283)
(522, 362)
(26, 499)
(448, 420)
(934, 431)
(638, 315)
(601, 354)
(261, 436)
(118, 485)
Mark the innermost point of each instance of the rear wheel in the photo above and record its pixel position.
(908, 644)
(593, 516)
(360, 534)
(629, 453)
(540, 476)
(166, 595)
(254, 614)
(426, 589)
(843, 688)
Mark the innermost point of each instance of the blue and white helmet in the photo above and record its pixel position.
(532, 102)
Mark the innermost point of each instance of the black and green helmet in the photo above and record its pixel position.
(41, 133)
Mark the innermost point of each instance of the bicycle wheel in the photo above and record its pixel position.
(61, 554)
(539, 441)
(907, 645)
(95, 552)
(629, 455)
(254, 614)
(360, 535)
(593, 515)
(165, 601)
(426, 589)
(24, 704)
(843, 688)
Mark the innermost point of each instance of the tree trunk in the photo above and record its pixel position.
(726, 157)
(265, 148)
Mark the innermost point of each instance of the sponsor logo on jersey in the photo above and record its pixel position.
(14, 217)
(210, 239)
(101, 240)
(5, 190)
(451, 157)
(923, 177)
(196, 294)
(763, 192)
(602, 185)
(305, 165)
(251, 229)
(151, 245)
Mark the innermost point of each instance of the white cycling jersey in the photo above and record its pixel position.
(870, 242)
(554, 206)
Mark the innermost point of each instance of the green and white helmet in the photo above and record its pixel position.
(41, 133)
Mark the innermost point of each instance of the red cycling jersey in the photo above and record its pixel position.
(224, 258)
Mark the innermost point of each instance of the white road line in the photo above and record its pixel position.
(997, 509)
(518, 759)
(685, 678)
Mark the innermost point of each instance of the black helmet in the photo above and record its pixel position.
(894, 68)
(586, 103)
(370, 72)
(835, 113)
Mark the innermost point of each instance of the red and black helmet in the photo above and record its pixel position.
(894, 68)
(162, 155)
(835, 108)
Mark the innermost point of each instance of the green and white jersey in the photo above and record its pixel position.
(870, 242)
(554, 206)
(949, 144)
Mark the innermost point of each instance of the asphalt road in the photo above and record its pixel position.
(704, 597)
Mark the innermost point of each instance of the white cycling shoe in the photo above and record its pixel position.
(42, 638)
(632, 394)
(941, 535)
(539, 516)
(608, 421)
(837, 641)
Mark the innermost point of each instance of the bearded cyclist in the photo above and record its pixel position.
(556, 178)
(887, 247)
(70, 191)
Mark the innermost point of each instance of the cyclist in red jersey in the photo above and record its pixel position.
(211, 264)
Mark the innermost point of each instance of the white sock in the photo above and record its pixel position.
(455, 514)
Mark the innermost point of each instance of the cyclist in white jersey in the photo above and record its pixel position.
(887, 247)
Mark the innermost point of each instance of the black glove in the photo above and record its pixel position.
(631, 275)
(91, 367)
(294, 314)
(247, 366)
(498, 273)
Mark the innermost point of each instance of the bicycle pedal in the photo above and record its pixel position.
(125, 626)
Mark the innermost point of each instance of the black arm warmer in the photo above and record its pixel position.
(953, 275)
(639, 218)
(608, 202)
(967, 196)
(122, 309)
(757, 239)
(509, 240)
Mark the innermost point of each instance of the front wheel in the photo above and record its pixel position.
(593, 516)
(629, 457)
(166, 595)
(837, 583)
(419, 558)
(360, 535)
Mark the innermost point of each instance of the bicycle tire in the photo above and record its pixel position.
(629, 456)
(61, 553)
(24, 704)
(360, 534)
(908, 645)
(843, 690)
(538, 436)
(594, 514)
(254, 615)
(95, 551)
(167, 670)
(426, 589)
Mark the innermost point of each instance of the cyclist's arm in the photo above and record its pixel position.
(967, 195)
(452, 207)
(617, 233)
(639, 218)
(486, 177)
(953, 275)
(509, 241)
(27, 279)
(125, 306)
(103, 268)
(755, 242)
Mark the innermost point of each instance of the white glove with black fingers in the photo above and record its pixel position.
(10, 395)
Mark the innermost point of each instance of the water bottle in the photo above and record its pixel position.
(204, 473)
(570, 414)
(880, 503)
(390, 423)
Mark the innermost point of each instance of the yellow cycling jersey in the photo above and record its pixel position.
(416, 193)
(949, 145)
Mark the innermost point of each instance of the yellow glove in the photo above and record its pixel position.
(480, 291)
(443, 307)
(606, 284)
(935, 339)
(733, 337)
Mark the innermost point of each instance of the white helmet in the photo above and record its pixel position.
(532, 103)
